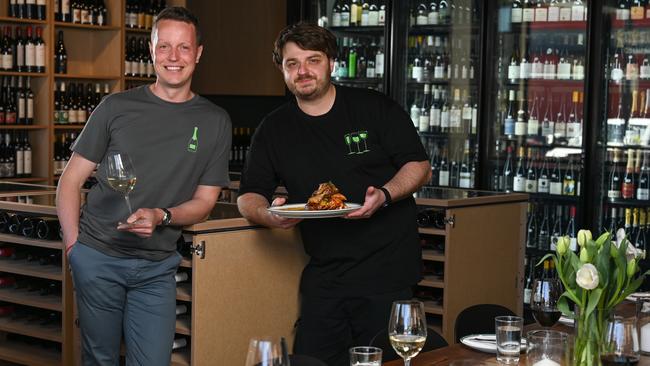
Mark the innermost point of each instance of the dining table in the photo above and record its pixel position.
(457, 352)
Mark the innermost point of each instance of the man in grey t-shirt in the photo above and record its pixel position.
(123, 264)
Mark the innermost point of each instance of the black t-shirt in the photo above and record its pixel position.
(362, 141)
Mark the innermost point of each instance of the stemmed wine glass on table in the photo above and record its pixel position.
(267, 351)
(407, 329)
(621, 343)
(545, 295)
(120, 175)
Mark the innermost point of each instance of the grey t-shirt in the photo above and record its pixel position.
(156, 135)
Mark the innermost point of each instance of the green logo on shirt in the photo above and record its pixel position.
(193, 144)
(356, 142)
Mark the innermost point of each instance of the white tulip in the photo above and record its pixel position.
(587, 276)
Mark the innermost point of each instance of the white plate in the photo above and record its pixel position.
(485, 342)
(638, 295)
(566, 321)
(297, 211)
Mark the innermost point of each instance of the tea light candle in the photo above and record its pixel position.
(546, 362)
(645, 337)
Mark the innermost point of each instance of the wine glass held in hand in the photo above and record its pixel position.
(407, 329)
(120, 175)
(545, 295)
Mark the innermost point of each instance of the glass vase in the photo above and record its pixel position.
(589, 335)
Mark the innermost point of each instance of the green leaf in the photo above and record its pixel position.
(633, 286)
(594, 297)
(602, 263)
(563, 304)
(603, 238)
(549, 255)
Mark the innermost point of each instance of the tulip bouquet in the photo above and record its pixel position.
(599, 277)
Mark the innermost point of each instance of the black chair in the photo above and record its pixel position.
(478, 319)
(302, 360)
(380, 340)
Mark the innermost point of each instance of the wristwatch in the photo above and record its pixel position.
(167, 217)
(388, 200)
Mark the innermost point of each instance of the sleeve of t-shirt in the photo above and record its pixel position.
(399, 137)
(259, 174)
(216, 172)
(93, 140)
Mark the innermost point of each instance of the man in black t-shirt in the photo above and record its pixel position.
(367, 146)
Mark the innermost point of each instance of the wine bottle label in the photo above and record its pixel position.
(30, 108)
(549, 71)
(444, 119)
(553, 14)
(465, 178)
(421, 20)
(579, 72)
(382, 17)
(528, 15)
(10, 118)
(514, 72)
(573, 129)
(519, 184)
(76, 15)
(40, 2)
(474, 119)
(573, 244)
(424, 123)
(537, 70)
(556, 188)
(142, 68)
(370, 71)
(541, 14)
(637, 12)
(443, 179)
(643, 194)
(72, 116)
(565, 14)
(434, 118)
(20, 162)
(336, 19)
(21, 109)
(509, 126)
(547, 128)
(613, 193)
(85, 17)
(417, 73)
(454, 118)
(373, 18)
(525, 70)
(542, 185)
(345, 19)
(20, 55)
(467, 113)
(30, 55)
(65, 7)
(439, 72)
(521, 127)
(578, 13)
(560, 130)
(569, 187)
(644, 72)
(527, 293)
(127, 67)
(616, 74)
(632, 71)
(81, 116)
(564, 71)
(7, 62)
(40, 55)
(531, 185)
(533, 127)
(516, 15)
(432, 18)
(627, 191)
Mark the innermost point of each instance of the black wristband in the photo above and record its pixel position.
(167, 218)
(389, 199)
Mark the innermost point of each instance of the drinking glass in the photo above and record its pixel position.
(120, 175)
(545, 295)
(267, 351)
(544, 346)
(407, 329)
(508, 336)
(621, 343)
(365, 356)
(643, 322)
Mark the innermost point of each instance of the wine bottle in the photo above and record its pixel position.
(431, 218)
(544, 234)
(60, 56)
(519, 180)
(569, 181)
(48, 228)
(507, 176)
(614, 186)
(509, 121)
(571, 229)
(39, 51)
(543, 181)
(533, 119)
(628, 187)
(556, 179)
(643, 189)
(531, 235)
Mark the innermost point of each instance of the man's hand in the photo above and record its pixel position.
(142, 222)
(373, 201)
(278, 221)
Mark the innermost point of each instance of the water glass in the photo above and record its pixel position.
(508, 336)
(621, 343)
(365, 356)
(547, 347)
(643, 322)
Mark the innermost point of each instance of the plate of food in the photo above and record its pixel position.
(327, 201)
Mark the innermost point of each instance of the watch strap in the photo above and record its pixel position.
(167, 217)
(389, 199)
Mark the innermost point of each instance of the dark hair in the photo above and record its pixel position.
(307, 36)
(179, 14)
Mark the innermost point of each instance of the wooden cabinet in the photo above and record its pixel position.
(476, 256)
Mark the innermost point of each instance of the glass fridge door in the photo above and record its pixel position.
(536, 112)
(441, 89)
(623, 142)
(360, 27)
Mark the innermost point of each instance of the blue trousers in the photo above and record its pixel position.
(124, 296)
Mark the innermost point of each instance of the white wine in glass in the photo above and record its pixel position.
(120, 175)
(407, 329)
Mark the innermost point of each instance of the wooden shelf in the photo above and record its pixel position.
(48, 332)
(431, 231)
(433, 255)
(33, 298)
(30, 355)
(181, 358)
(5, 19)
(23, 127)
(184, 291)
(33, 269)
(69, 127)
(87, 77)
(24, 180)
(431, 307)
(432, 281)
(16, 73)
(87, 26)
(183, 323)
(17, 239)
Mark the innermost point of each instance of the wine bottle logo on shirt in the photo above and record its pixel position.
(193, 144)
(356, 142)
